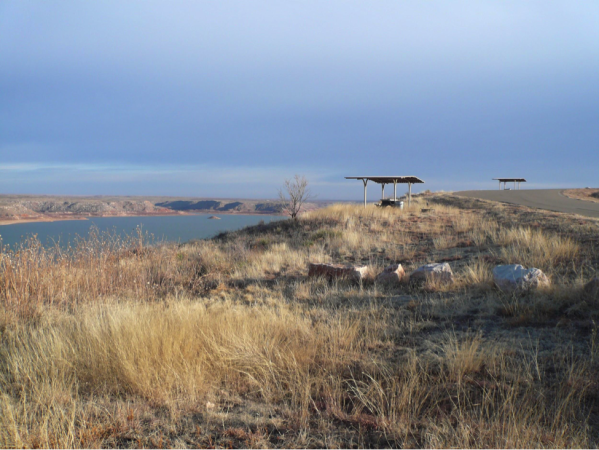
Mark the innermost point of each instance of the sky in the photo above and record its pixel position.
(228, 99)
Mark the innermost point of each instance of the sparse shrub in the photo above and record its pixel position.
(326, 234)
(261, 243)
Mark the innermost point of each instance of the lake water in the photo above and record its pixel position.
(171, 228)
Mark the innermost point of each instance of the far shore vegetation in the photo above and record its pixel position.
(228, 343)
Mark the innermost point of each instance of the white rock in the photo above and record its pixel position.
(337, 271)
(435, 272)
(391, 275)
(514, 277)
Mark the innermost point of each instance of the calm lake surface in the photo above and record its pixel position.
(170, 228)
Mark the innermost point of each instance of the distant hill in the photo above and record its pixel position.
(41, 208)
(245, 206)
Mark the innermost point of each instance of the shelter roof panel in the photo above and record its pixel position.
(389, 179)
(510, 179)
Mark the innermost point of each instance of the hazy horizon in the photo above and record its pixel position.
(211, 99)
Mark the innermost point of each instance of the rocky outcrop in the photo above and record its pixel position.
(436, 272)
(190, 205)
(233, 206)
(331, 271)
(270, 207)
(391, 274)
(514, 277)
(245, 206)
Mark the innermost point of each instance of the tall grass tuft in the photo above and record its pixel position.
(536, 248)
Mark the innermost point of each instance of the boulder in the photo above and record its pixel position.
(331, 271)
(592, 288)
(439, 272)
(391, 275)
(514, 277)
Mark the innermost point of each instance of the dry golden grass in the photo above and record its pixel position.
(227, 343)
(590, 194)
(183, 353)
(535, 248)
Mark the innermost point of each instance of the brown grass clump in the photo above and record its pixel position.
(227, 343)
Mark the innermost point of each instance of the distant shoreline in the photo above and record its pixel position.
(41, 219)
(19, 209)
(161, 214)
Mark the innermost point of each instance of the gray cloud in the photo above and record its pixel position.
(453, 92)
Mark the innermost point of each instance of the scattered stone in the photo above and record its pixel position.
(337, 271)
(592, 288)
(214, 217)
(514, 277)
(391, 275)
(440, 272)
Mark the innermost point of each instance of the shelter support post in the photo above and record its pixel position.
(504, 181)
(383, 181)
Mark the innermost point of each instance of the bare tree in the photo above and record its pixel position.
(294, 195)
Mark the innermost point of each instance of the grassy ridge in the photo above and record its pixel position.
(227, 342)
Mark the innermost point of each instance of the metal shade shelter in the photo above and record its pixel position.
(409, 180)
(510, 180)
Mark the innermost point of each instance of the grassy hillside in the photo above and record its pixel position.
(228, 343)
